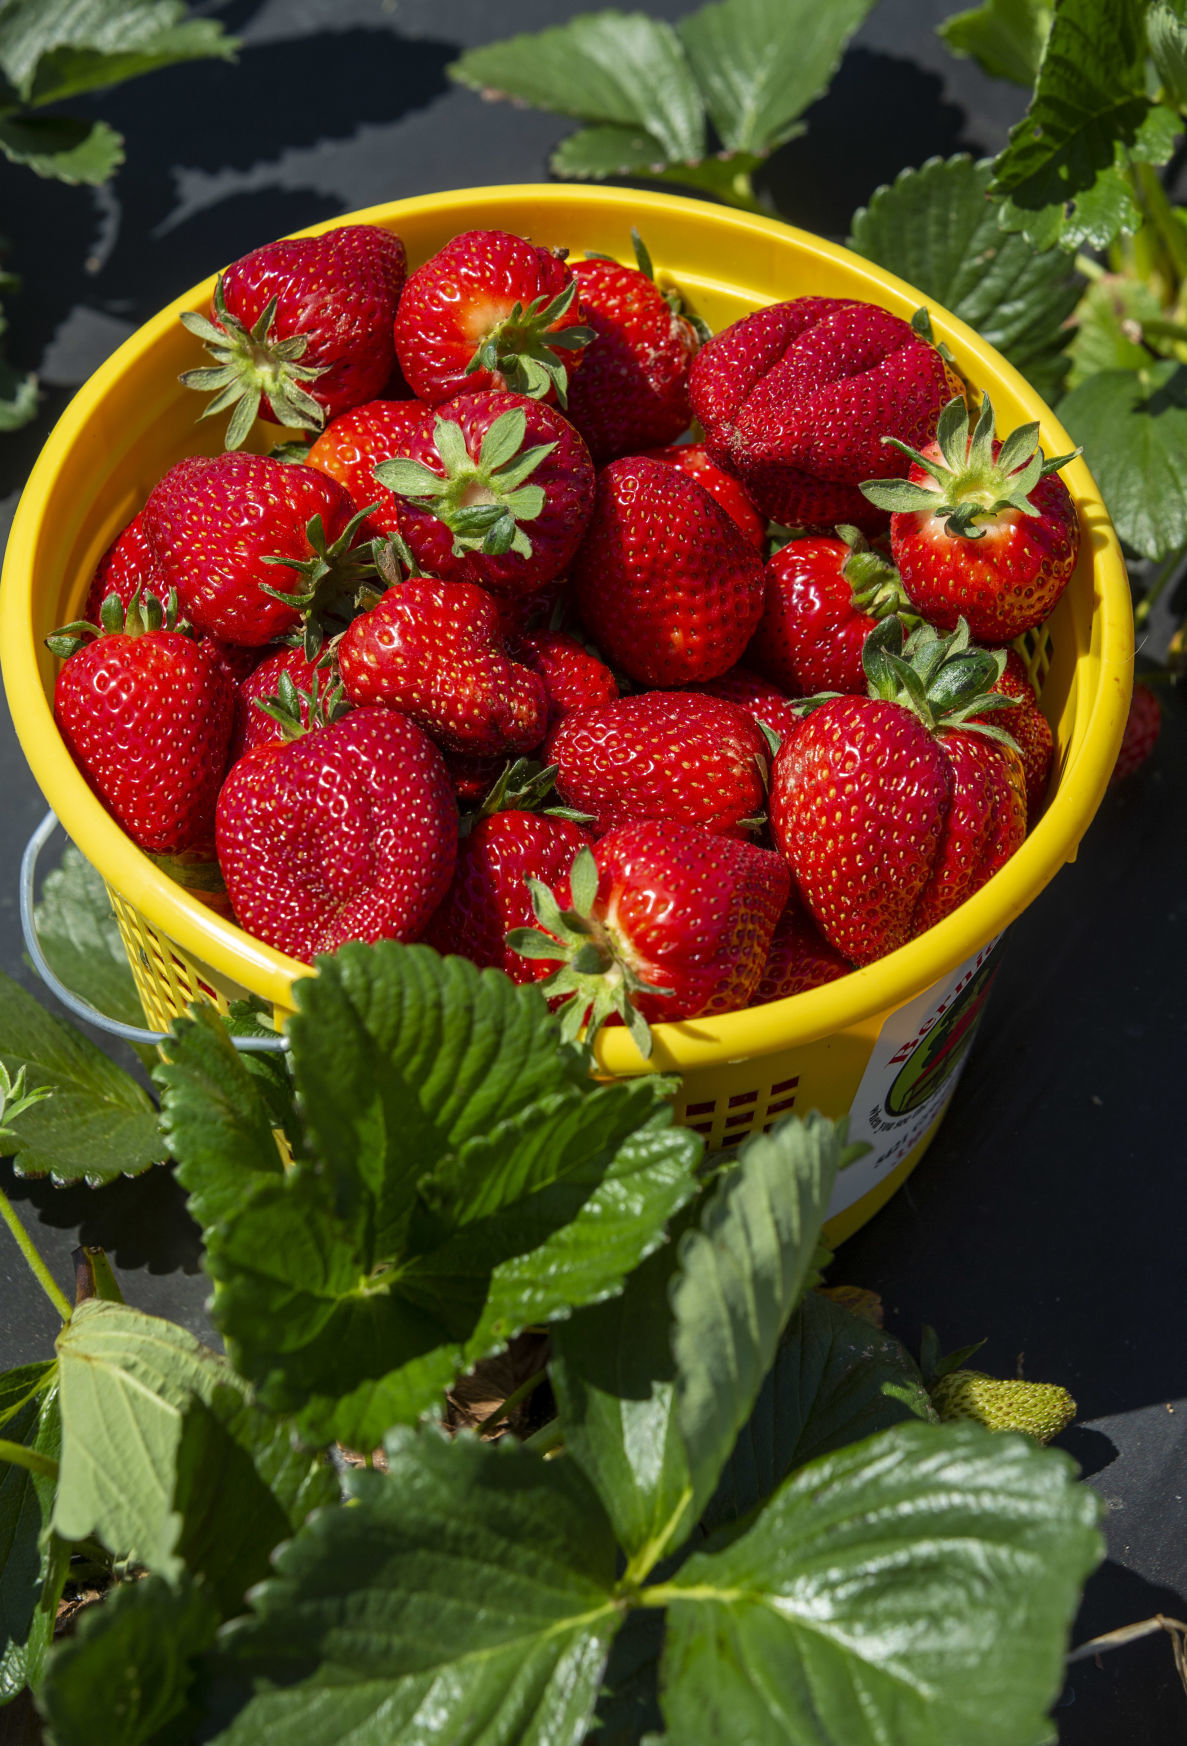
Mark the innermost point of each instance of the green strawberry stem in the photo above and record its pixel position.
(250, 366)
(946, 681)
(143, 613)
(969, 485)
(339, 581)
(521, 349)
(324, 705)
(44, 1466)
(594, 975)
(21, 1237)
(483, 501)
(877, 587)
(523, 785)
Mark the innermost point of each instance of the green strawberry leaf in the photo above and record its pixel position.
(78, 932)
(31, 1574)
(18, 1387)
(917, 1587)
(835, 1380)
(467, 1594)
(1109, 316)
(1005, 37)
(935, 228)
(54, 49)
(1063, 173)
(1166, 33)
(59, 147)
(761, 63)
(622, 68)
(1133, 427)
(129, 1666)
(97, 1125)
(593, 153)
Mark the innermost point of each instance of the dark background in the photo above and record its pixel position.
(1049, 1214)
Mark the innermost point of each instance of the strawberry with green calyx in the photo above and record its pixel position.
(286, 694)
(981, 530)
(301, 329)
(432, 650)
(339, 580)
(632, 388)
(353, 445)
(523, 785)
(145, 711)
(822, 598)
(1038, 1409)
(490, 310)
(894, 807)
(1030, 731)
(666, 922)
(126, 565)
(496, 490)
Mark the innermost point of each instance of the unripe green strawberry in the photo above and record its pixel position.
(1038, 1409)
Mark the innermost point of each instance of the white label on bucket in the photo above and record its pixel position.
(912, 1072)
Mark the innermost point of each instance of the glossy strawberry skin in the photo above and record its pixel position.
(349, 833)
(566, 477)
(796, 398)
(676, 755)
(126, 565)
(252, 727)
(451, 304)
(432, 650)
(632, 388)
(800, 958)
(1029, 728)
(693, 459)
(887, 826)
(1142, 728)
(353, 445)
(664, 581)
(147, 720)
(810, 636)
(573, 678)
(341, 290)
(756, 695)
(1003, 583)
(488, 896)
(689, 912)
(211, 523)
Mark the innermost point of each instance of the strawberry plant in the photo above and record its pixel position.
(694, 1530)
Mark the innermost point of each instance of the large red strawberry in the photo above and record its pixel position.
(1143, 725)
(632, 387)
(146, 714)
(893, 808)
(822, 599)
(573, 678)
(981, 530)
(126, 565)
(302, 329)
(495, 489)
(432, 649)
(489, 310)
(800, 958)
(489, 895)
(286, 675)
(1029, 729)
(665, 922)
(232, 531)
(347, 833)
(678, 755)
(353, 445)
(693, 459)
(796, 398)
(664, 581)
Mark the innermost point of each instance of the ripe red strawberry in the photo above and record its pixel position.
(1029, 729)
(676, 755)
(693, 459)
(125, 566)
(822, 599)
(478, 504)
(800, 958)
(214, 525)
(146, 714)
(301, 329)
(489, 310)
(1142, 728)
(666, 922)
(254, 726)
(893, 808)
(981, 530)
(664, 581)
(757, 696)
(432, 649)
(796, 398)
(353, 445)
(632, 387)
(489, 895)
(573, 678)
(348, 833)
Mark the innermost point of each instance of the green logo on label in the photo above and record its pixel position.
(932, 1062)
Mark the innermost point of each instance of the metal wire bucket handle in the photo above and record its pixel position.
(82, 1008)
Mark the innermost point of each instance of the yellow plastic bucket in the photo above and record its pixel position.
(884, 1045)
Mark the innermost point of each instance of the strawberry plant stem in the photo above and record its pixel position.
(1162, 216)
(39, 1269)
(514, 1399)
(547, 1438)
(31, 1459)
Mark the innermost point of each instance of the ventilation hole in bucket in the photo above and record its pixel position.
(700, 1127)
(743, 1097)
(693, 1109)
(774, 1109)
(743, 1119)
(785, 1085)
